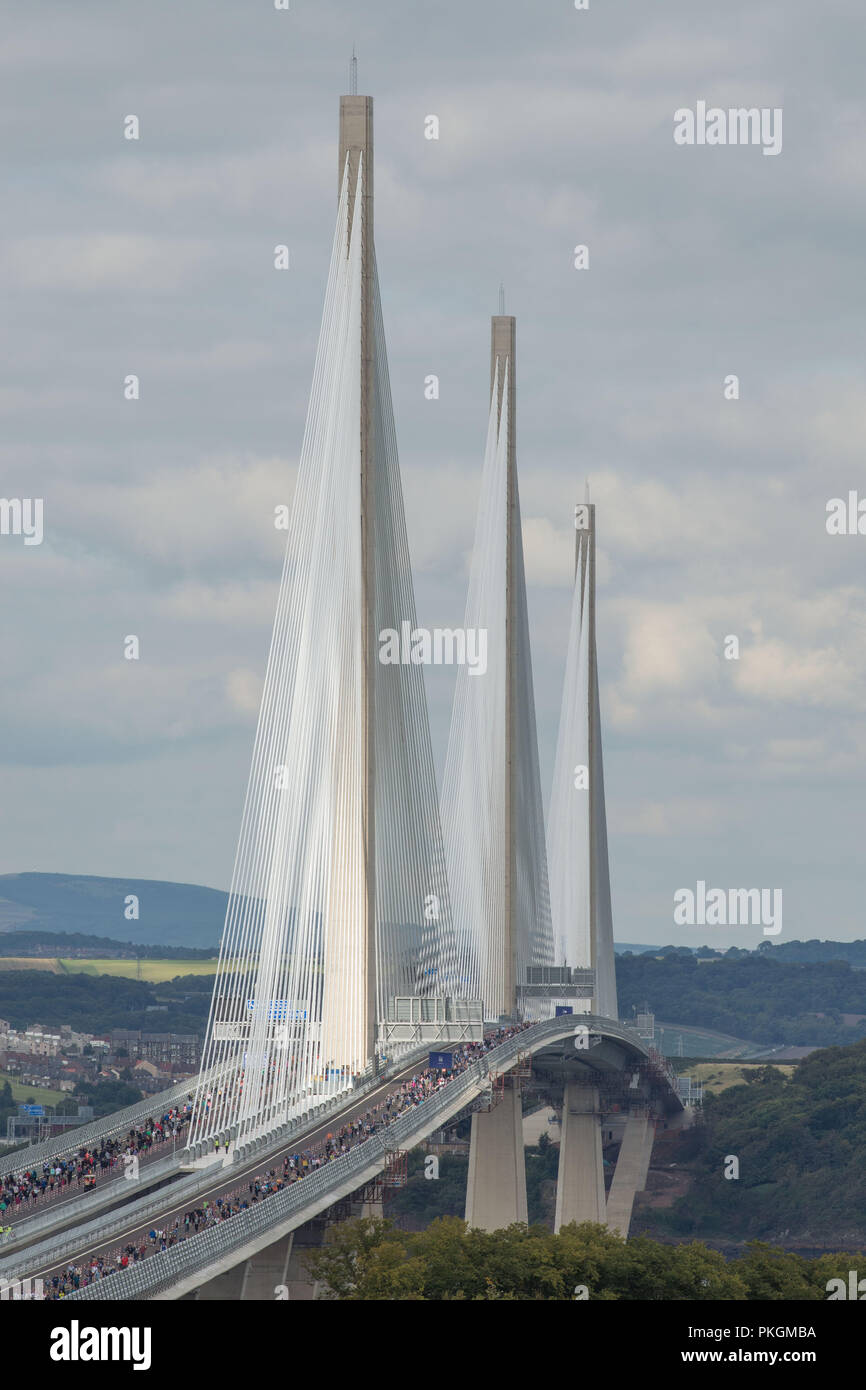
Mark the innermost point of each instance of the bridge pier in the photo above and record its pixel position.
(257, 1280)
(580, 1180)
(223, 1288)
(632, 1167)
(496, 1185)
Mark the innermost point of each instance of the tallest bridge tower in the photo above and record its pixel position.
(356, 157)
(339, 905)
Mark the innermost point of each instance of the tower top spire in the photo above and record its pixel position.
(501, 299)
(353, 74)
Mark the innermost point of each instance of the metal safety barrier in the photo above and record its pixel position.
(100, 1229)
(24, 1232)
(108, 1127)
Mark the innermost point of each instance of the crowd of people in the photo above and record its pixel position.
(410, 1093)
(21, 1193)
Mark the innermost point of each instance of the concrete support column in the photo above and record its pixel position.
(266, 1270)
(580, 1180)
(226, 1287)
(496, 1186)
(631, 1170)
(373, 1210)
(257, 1279)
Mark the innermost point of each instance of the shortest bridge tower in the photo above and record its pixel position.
(580, 901)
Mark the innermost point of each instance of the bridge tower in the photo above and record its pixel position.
(492, 815)
(339, 910)
(356, 152)
(503, 365)
(577, 823)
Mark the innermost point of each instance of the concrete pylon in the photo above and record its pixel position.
(372, 1210)
(496, 1186)
(356, 146)
(503, 360)
(274, 1273)
(580, 1180)
(631, 1170)
(267, 1270)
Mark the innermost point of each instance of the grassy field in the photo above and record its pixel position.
(154, 972)
(718, 1076)
(41, 1095)
(25, 963)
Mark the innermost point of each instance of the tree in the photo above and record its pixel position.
(370, 1260)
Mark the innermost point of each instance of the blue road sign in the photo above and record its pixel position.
(35, 1110)
(563, 1009)
(441, 1061)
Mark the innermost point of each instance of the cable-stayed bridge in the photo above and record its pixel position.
(368, 923)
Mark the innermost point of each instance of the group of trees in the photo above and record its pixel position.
(369, 1260)
(54, 943)
(799, 1146)
(854, 952)
(757, 997)
(96, 1003)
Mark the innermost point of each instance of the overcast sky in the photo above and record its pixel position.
(155, 257)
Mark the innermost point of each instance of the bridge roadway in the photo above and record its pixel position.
(67, 1205)
(160, 1165)
(198, 1259)
(224, 1176)
(71, 1205)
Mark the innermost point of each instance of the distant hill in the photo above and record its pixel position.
(22, 943)
(779, 1003)
(170, 914)
(799, 1139)
(803, 952)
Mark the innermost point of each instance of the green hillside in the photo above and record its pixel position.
(96, 1003)
(799, 1140)
(759, 998)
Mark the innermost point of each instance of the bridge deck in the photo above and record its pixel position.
(193, 1261)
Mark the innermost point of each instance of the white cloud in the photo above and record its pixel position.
(676, 816)
(220, 510)
(244, 690)
(106, 261)
(548, 552)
